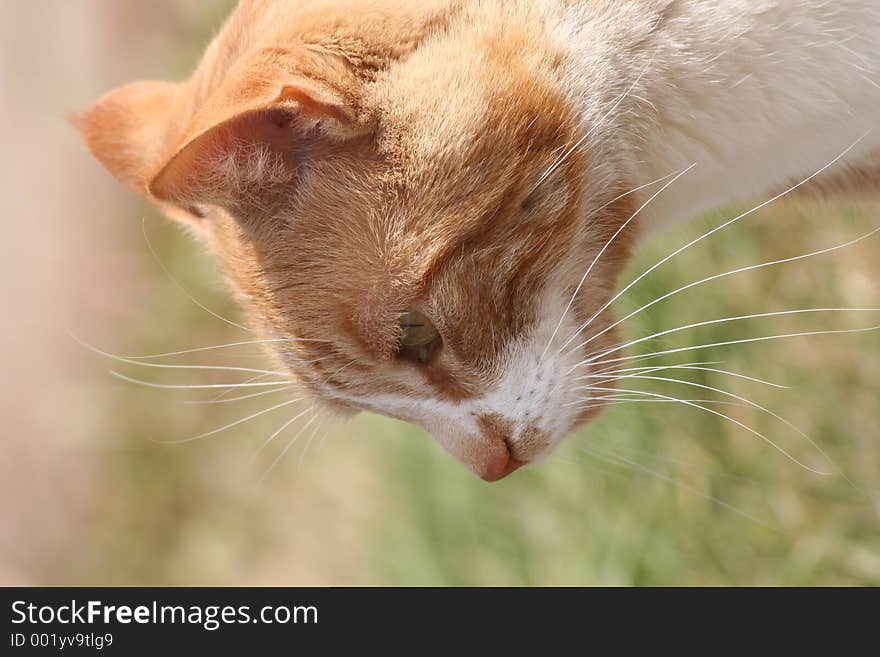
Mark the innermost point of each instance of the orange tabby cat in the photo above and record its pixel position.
(411, 191)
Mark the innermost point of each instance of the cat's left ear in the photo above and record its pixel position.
(240, 153)
(247, 140)
(128, 129)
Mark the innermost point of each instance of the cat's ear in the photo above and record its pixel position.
(238, 147)
(127, 130)
(235, 154)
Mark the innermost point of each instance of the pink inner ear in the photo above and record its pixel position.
(312, 107)
(286, 130)
(195, 173)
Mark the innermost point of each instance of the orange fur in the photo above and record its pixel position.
(346, 160)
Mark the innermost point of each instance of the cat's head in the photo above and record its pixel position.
(398, 212)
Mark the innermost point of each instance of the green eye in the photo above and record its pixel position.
(417, 330)
(419, 338)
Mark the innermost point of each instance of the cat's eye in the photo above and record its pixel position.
(419, 338)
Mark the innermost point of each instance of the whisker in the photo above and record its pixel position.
(618, 375)
(710, 233)
(624, 402)
(163, 366)
(226, 393)
(638, 369)
(235, 399)
(778, 448)
(561, 160)
(621, 461)
(174, 280)
(750, 403)
(322, 441)
(641, 370)
(284, 452)
(605, 248)
(618, 449)
(284, 426)
(594, 467)
(231, 425)
(619, 401)
(615, 366)
(221, 346)
(305, 451)
(339, 370)
(766, 338)
(725, 274)
(215, 386)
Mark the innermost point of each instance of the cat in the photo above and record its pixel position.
(405, 195)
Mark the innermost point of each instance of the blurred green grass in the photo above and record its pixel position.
(376, 502)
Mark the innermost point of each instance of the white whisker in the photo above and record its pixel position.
(226, 393)
(725, 343)
(638, 369)
(678, 463)
(290, 444)
(231, 425)
(621, 461)
(186, 293)
(307, 446)
(163, 366)
(236, 399)
(778, 448)
(723, 275)
(221, 346)
(710, 233)
(615, 401)
(214, 386)
(605, 248)
(750, 403)
(622, 374)
(561, 160)
(284, 426)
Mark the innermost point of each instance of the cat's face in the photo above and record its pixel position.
(402, 233)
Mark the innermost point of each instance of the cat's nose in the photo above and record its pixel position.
(497, 461)
(501, 466)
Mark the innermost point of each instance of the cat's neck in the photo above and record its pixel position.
(757, 94)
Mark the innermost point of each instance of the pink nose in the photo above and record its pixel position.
(501, 466)
(496, 461)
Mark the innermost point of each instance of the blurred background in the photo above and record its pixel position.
(92, 492)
